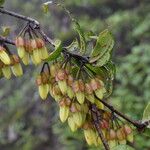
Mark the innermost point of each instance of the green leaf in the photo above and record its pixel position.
(96, 70)
(101, 61)
(73, 46)
(5, 31)
(146, 114)
(2, 2)
(122, 147)
(104, 43)
(82, 41)
(56, 53)
(102, 51)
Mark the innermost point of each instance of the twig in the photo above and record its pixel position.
(10, 13)
(6, 40)
(139, 125)
(94, 112)
(37, 26)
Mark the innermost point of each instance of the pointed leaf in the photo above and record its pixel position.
(82, 41)
(104, 44)
(103, 60)
(146, 114)
(73, 46)
(56, 53)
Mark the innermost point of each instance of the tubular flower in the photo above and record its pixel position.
(42, 82)
(98, 87)
(20, 44)
(64, 109)
(78, 88)
(6, 71)
(42, 49)
(36, 56)
(16, 66)
(61, 78)
(4, 57)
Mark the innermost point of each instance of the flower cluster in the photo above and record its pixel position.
(74, 96)
(114, 132)
(31, 45)
(9, 62)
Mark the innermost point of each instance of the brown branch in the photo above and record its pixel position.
(94, 112)
(139, 125)
(6, 40)
(16, 15)
(37, 26)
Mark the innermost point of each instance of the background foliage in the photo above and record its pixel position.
(26, 122)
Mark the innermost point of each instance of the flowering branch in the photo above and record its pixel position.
(84, 60)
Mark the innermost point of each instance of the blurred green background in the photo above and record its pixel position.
(26, 122)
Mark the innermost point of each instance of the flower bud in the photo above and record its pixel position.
(99, 105)
(99, 93)
(4, 57)
(63, 113)
(77, 117)
(26, 59)
(130, 137)
(28, 47)
(72, 124)
(16, 66)
(68, 102)
(104, 124)
(89, 93)
(127, 129)
(129, 133)
(107, 115)
(61, 79)
(63, 86)
(17, 70)
(36, 52)
(74, 108)
(20, 44)
(112, 143)
(43, 91)
(6, 72)
(53, 70)
(90, 136)
(33, 59)
(85, 108)
(42, 48)
(80, 97)
(95, 84)
(112, 134)
(78, 88)
(56, 93)
(61, 75)
(120, 134)
(70, 80)
(70, 92)
(39, 80)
